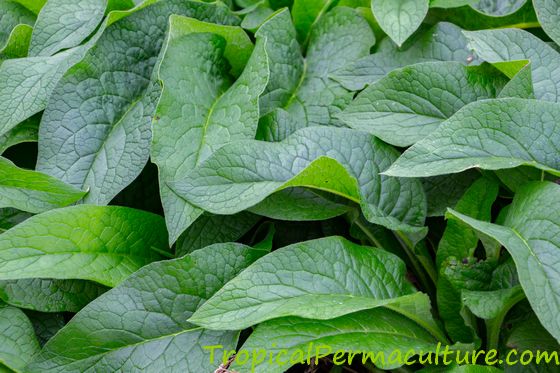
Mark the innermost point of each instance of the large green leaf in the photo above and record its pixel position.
(17, 339)
(399, 18)
(378, 331)
(142, 324)
(531, 234)
(33, 191)
(513, 45)
(548, 12)
(491, 135)
(337, 39)
(335, 160)
(102, 244)
(12, 14)
(217, 110)
(304, 280)
(410, 103)
(95, 132)
(64, 24)
(285, 60)
(47, 295)
(442, 42)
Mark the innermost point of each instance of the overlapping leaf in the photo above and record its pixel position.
(340, 161)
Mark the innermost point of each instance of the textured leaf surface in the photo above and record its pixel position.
(490, 304)
(530, 233)
(286, 283)
(442, 42)
(142, 323)
(26, 131)
(95, 132)
(548, 12)
(47, 295)
(399, 18)
(377, 330)
(33, 191)
(446, 190)
(410, 103)
(338, 38)
(64, 24)
(491, 135)
(513, 45)
(17, 338)
(238, 176)
(102, 244)
(218, 111)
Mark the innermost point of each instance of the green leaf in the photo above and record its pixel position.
(521, 84)
(459, 240)
(102, 244)
(548, 12)
(379, 331)
(11, 217)
(494, 303)
(46, 295)
(513, 45)
(189, 129)
(284, 58)
(18, 42)
(339, 161)
(399, 18)
(301, 204)
(338, 38)
(491, 135)
(141, 324)
(306, 14)
(95, 132)
(445, 191)
(210, 229)
(12, 14)
(46, 325)
(33, 191)
(285, 283)
(442, 42)
(410, 103)
(33, 5)
(17, 338)
(530, 233)
(63, 24)
(26, 131)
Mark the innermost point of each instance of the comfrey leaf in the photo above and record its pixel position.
(530, 233)
(335, 160)
(399, 18)
(219, 110)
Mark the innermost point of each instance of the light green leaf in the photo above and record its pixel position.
(12, 14)
(410, 103)
(490, 135)
(33, 191)
(95, 132)
(304, 280)
(514, 45)
(219, 111)
(47, 295)
(63, 24)
(339, 37)
(530, 233)
(17, 338)
(284, 58)
(498, 8)
(142, 323)
(442, 42)
(338, 161)
(548, 12)
(380, 331)
(399, 18)
(18, 42)
(306, 14)
(493, 303)
(33, 5)
(102, 244)
(521, 84)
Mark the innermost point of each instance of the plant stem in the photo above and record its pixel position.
(425, 273)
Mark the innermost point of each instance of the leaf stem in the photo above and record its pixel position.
(427, 279)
